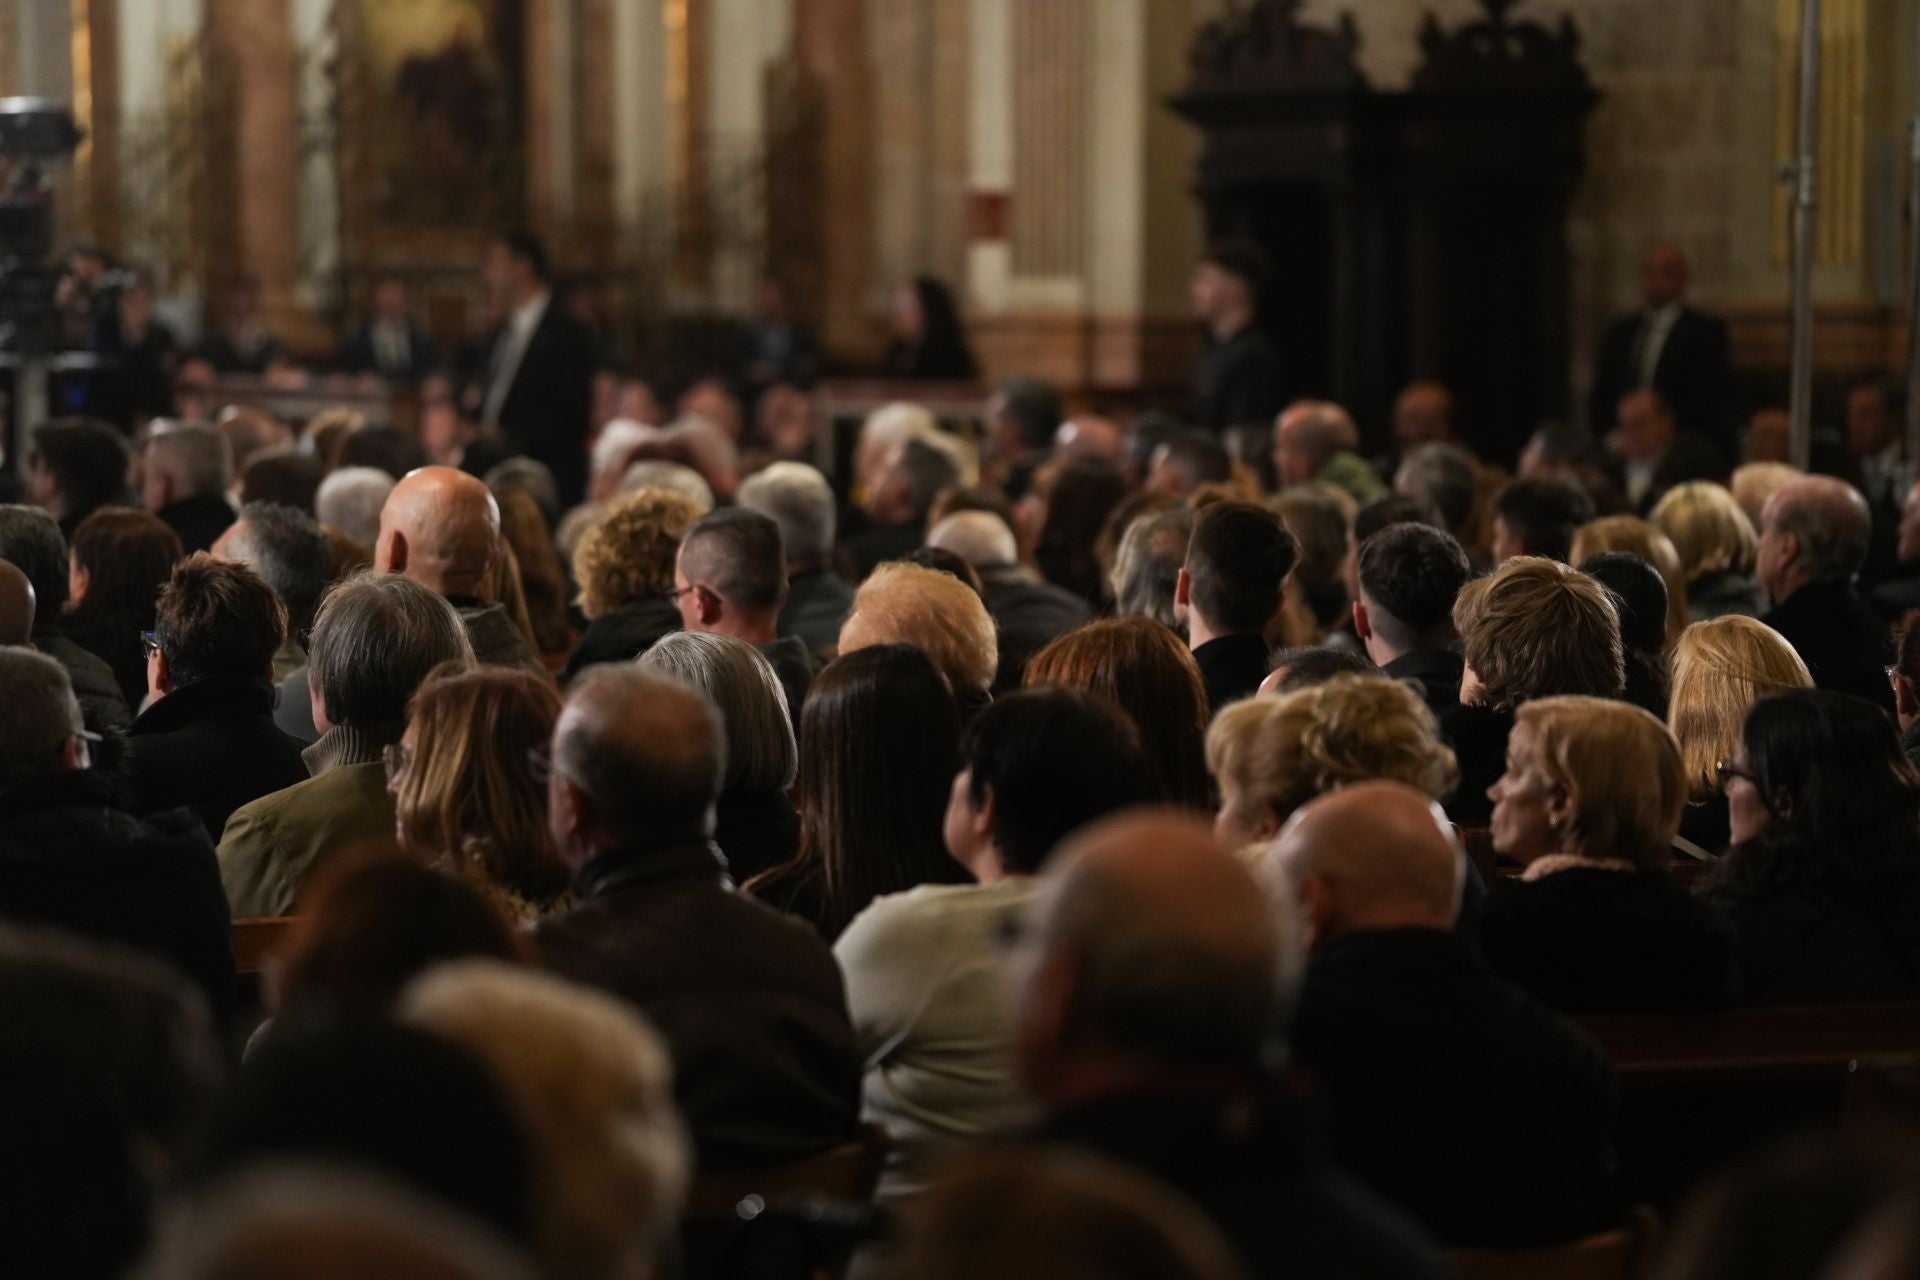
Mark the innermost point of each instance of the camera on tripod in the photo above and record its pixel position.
(34, 133)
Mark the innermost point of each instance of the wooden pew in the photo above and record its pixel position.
(1788, 1043)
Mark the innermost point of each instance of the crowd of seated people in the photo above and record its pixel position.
(1170, 849)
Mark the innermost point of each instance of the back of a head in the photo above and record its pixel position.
(1055, 1215)
(1413, 573)
(16, 605)
(761, 751)
(1311, 666)
(370, 1095)
(375, 638)
(1195, 458)
(1639, 595)
(1542, 512)
(934, 612)
(369, 924)
(628, 554)
(1379, 855)
(87, 458)
(740, 555)
(197, 460)
(30, 539)
(1053, 761)
(1709, 531)
(1830, 521)
(646, 752)
(1237, 565)
(1142, 668)
(1442, 475)
(441, 527)
(218, 618)
(981, 538)
(1391, 509)
(531, 477)
(592, 1083)
(1536, 628)
(1756, 482)
(288, 478)
(926, 469)
(1033, 406)
(38, 714)
(1622, 771)
(314, 1223)
(127, 555)
(382, 448)
(669, 477)
(289, 549)
(798, 499)
(1720, 667)
(111, 1063)
(1318, 524)
(350, 500)
(1170, 955)
(1146, 569)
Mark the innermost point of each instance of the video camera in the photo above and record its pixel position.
(34, 133)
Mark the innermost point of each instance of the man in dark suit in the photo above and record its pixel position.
(1813, 540)
(1028, 612)
(1238, 381)
(1233, 583)
(1668, 346)
(389, 343)
(538, 384)
(799, 499)
(1452, 1092)
(750, 1001)
(1652, 455)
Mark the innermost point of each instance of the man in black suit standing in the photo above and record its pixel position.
(389, 343)
(538, 388)
(1239, 380)
(1669, 346)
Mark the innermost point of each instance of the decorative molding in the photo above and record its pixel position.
(1496, 54)
(1265, 48)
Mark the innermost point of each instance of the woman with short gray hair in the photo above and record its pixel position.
(755, 823)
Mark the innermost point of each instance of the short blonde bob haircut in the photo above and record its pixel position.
(627, 555)
(1279, 753)
(1708, 529)
(1720, 669)
(936, 613)
(1535, 628)
(1621, 771)
(1635, 536)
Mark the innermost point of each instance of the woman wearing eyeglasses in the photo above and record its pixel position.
(1823, 879)
(469, 784)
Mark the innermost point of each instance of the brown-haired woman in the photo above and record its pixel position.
(880, 738)
(467, 797)
(119, 561)
(1146, 671)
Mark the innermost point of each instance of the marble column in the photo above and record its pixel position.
(835, 82)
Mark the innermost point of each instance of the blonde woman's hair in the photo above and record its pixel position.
(1720, 669)
(936, 613)
(1756, 482)
(1621, 769)
(1708, 529)
(1282, 752)
(593, 1084)
(627, 555)
(1636, 537)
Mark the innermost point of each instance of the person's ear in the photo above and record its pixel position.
(983, 820)
(1789, 548)
(73, 752)
(160, 676)
(1906, 702)
(706, 604)
(1560, 807)
(569, 812)
(390, 553)
(1362, 625)
(1266, 823)
(1183, 588)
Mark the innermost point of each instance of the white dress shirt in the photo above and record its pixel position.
(509, 351)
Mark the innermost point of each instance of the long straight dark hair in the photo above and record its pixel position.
(879, 745)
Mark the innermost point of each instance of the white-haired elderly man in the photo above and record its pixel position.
(1028, 611)
(798, 499)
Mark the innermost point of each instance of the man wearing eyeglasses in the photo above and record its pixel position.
(71, 857)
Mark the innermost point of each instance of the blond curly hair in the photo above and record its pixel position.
(1281, 752)
(628, 554)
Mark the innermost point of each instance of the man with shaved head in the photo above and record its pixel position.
(441, 528)
(749, 1000)
(1670, 347)
(1452, 1092)
(16, 606)
(730, 577)
(1028, 611)
(1149, 1004)
(1813, 539)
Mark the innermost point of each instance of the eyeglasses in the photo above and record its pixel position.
(395, 758)
(540, 764)
(674, 595)
(1726, 769)
(149, 644)
(1892, 673)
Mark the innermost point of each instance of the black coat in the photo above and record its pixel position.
(750, 1002)
(878, 543)
(818, 601)
(1478, 736)
(1798, 947)
(1692, 373)
(1454, 1094)
(72, 857)
(1840, 638)
(794, 663)
(211, 747)
(548, 409)
(199, 522)
(1252, 1154)
(1434, 673)
(1231, 668)
(627, 632)
(1239, 383)
(756, 831)
(1028, 614)
(1590, 939)
(1690, 457)
(358, 354)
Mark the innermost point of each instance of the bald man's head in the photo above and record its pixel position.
(1376, 855)
(1813, 529)
(1154, 948)
(637, 757)
(16, 605)
(1423, 414)
(441, 528)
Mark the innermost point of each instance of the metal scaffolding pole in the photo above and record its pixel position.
(1800, 402)
(1913, 263)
